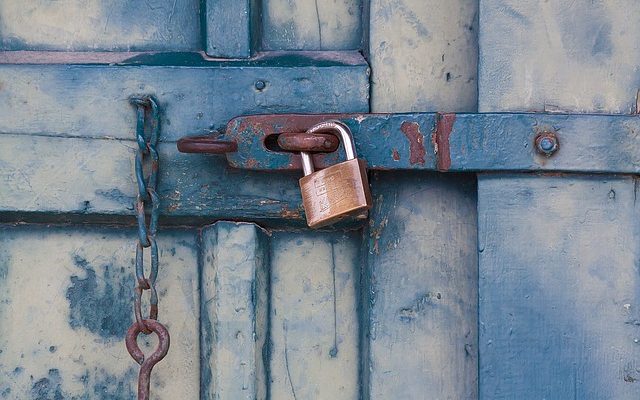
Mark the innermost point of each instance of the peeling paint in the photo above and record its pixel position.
(416, 142)
(443, 128)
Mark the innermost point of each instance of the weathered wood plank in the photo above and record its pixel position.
(66, 301)
(89, 176)
(539, 56)
(421, 271)
(233, 328)
(89, 25)
(312, 24)
(424, 55)
(231, 27)
(195, 95)
(558, 287)
(314, 351)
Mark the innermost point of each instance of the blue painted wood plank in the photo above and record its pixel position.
(66, 302)
(454, 142)
(108, 25)
(558, 287)
(233, 327)
(314, 332)
(539, 56)
(421, 293)
(86, 177)
(231, 28)
(195, 95)
(312, 24)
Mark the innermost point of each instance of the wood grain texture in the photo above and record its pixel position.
(90, 25)
(559, 56)
(314, 350)
(421, 270)
(66, 301)
(233, 327)
(231, 28)
(195, 96)
(424, 55)
(559, 287)
(96, 177)
(312, 24)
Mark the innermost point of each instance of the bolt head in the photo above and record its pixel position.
(260, 85)
(547, 143)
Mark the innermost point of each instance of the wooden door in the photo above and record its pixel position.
(467, 285)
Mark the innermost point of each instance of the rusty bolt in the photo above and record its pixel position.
(547, 143)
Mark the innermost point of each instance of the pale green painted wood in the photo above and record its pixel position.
(420, 339)
(423, 55)
(96, 177)
(559, 56)
(314, 351)
(421, 293)
(559, 287)
(234, 282)
(90, 25)
(312, 24)
(66, 296)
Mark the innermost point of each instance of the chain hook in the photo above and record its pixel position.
(147, 363)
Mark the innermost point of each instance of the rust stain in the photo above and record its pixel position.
(416, 142)
(290, 214)
(440, 137)
(396, 155)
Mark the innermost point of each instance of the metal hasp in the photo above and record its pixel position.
(452, 142)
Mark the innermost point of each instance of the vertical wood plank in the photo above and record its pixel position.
(314, 351)
(230, 28)
(559, 287)
(422, 293)
(423, 55)
(66, 302)
(559, 55)
(234, 285)
(312, 24)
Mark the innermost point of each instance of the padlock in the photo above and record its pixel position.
(338, 191)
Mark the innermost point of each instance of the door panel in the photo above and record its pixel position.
(66, 301)
(312, 24)
(422, 294)
(235, 304)
(314, 351)
(558, 253)
(97, 25)
(559, 287)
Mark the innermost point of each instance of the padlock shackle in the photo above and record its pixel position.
(342, 131)
(337, 128)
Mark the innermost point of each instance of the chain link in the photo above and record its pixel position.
(146, 171)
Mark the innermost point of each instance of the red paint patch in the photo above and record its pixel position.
(396, 155)
(444, 126)
(416, 142)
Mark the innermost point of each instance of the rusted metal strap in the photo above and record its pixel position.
(450, 142)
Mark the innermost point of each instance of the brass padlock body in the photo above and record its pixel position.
(336, 192)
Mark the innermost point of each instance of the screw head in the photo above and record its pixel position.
(547, 143)
(260, 85)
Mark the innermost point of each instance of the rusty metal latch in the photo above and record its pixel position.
(434, 142)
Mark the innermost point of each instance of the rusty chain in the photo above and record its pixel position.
(146, 160)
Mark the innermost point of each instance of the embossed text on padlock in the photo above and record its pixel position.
(339, 191)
